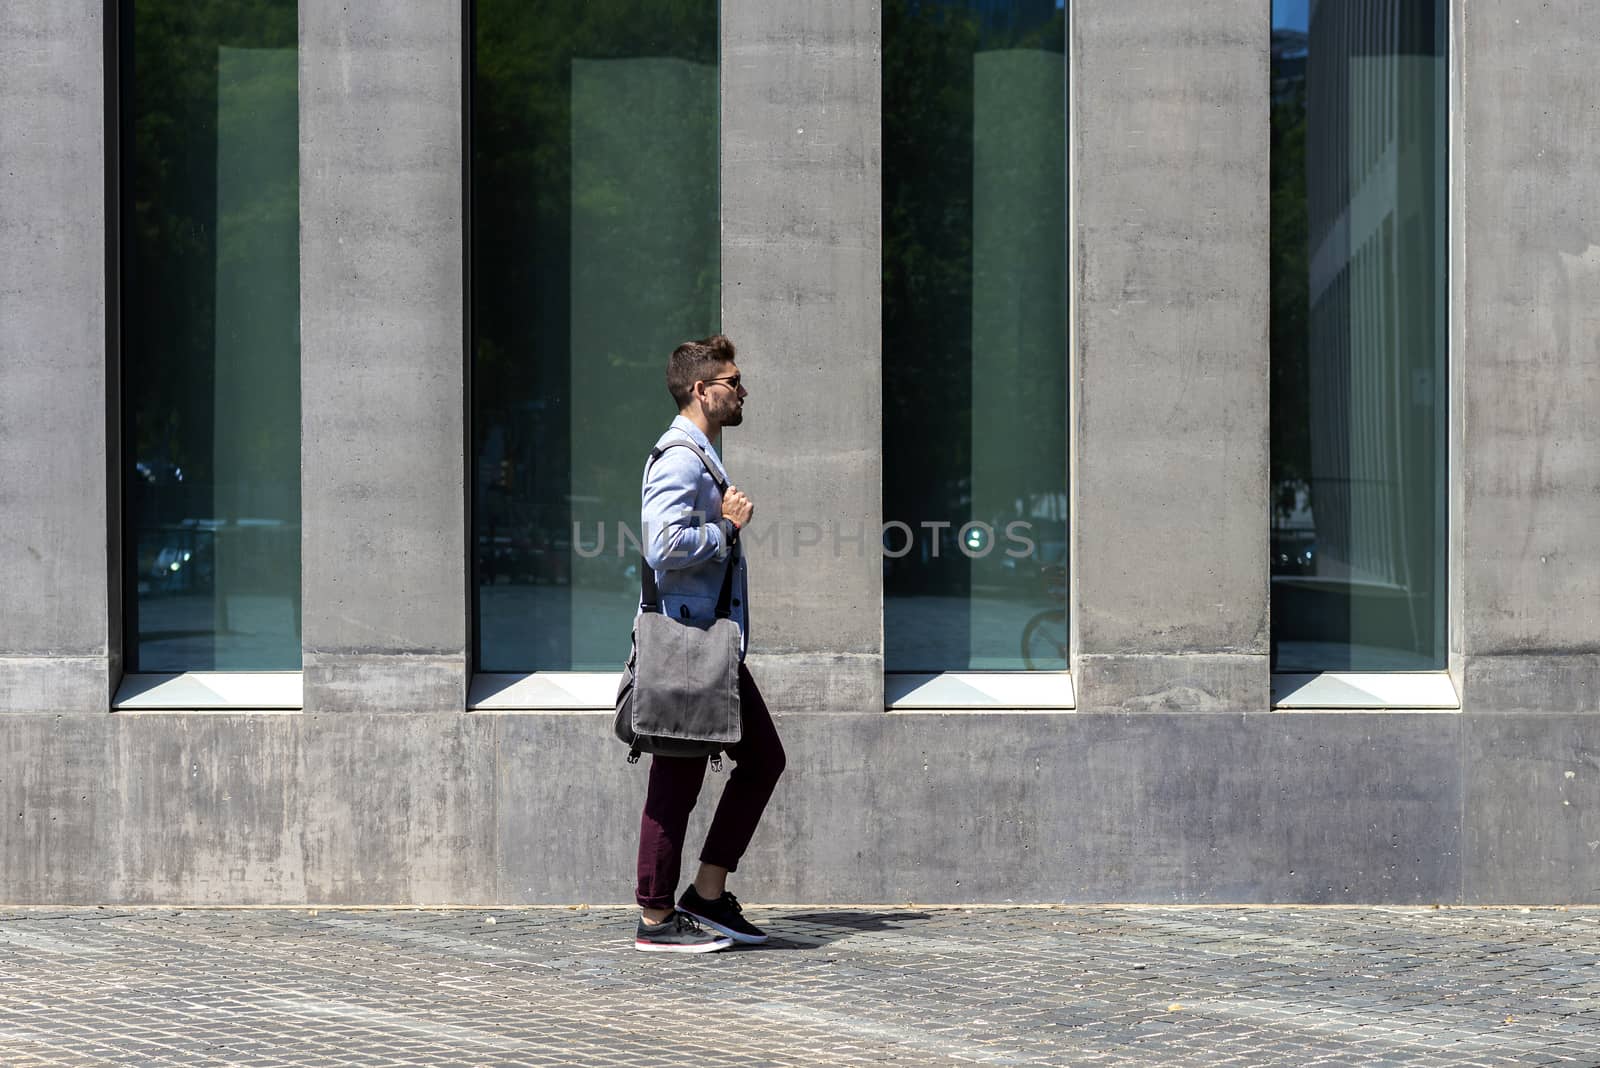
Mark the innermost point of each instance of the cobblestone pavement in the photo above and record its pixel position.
(837, 986)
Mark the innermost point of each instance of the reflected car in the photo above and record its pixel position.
(1293, 554)
(179, 567)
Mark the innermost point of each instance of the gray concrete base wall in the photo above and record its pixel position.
(1072, 807)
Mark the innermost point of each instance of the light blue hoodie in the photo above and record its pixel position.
(683, 542)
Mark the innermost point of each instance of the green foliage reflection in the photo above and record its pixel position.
(595, 251)
(210, 333)
(974, 328)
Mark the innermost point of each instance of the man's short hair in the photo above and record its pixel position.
(695, 361)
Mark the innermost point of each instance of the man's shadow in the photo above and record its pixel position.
(813, 930)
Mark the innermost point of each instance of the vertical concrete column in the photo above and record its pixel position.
(1170, 226)
(382, 362)
(801, 265)
(1525, 564)
(58, 632)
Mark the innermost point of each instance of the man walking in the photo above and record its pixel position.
(691, 528)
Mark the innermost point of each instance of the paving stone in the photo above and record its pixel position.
(931, 986)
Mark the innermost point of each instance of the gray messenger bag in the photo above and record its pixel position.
(679, 694)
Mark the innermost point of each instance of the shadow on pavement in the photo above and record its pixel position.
(812, 930)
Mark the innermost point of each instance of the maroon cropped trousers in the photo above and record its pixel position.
(675, 786)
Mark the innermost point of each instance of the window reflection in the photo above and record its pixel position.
(595, 252)
(1358, 334)
(974, 334)
(211, 371)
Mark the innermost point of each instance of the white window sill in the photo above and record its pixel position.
(1352, 691)
(534, 691)
(980, 691)
(950, 691)
(211, 691)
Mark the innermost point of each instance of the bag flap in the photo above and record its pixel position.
(687, 679)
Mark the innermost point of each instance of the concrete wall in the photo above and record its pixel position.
(384, 789)
(381, 351)
(1527, 524)
(801, 263)
(353, 807)
(1170, 151)
(58, 645)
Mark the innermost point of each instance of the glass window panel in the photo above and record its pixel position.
(975, 335)
(595, 251)
(211, 335)
(1359, 337)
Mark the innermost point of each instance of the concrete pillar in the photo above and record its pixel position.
(1525, 564)
(1525, 515)
(59, 607)
(382, 356)
(801, 267)
(1170, 225)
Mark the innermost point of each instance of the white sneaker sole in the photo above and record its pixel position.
(661, 947)
(749, 940)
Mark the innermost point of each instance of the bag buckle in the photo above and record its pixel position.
(716, 762)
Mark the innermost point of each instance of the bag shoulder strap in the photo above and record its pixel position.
(649, 594)
(693, 446)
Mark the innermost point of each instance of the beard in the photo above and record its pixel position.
(732, 415)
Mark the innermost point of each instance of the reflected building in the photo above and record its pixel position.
(1375, 342)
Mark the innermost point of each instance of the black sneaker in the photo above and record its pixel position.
(677, 934)
(723, 914)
